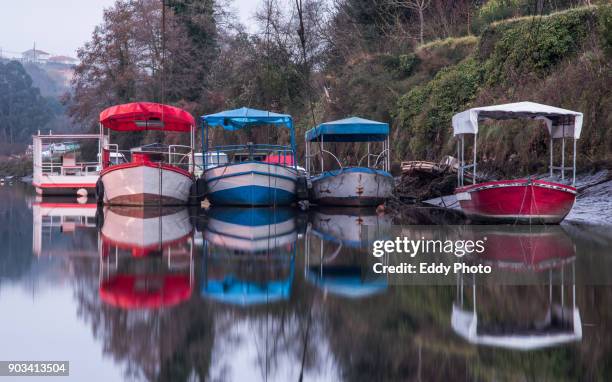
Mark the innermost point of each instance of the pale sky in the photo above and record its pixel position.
(59, 27)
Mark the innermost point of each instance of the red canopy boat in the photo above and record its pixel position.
(518, 200)
(156, 174)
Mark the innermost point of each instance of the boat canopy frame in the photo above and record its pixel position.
(145, 116)
(465, 323)
(244, 117)
(40, 166)
(349, 130)
(560, 123)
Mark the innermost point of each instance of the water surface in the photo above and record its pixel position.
(278, 294)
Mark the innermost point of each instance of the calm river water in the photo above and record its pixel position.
(282, 295)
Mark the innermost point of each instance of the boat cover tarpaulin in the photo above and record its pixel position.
(237, 119)
(140, 116)
(352, 129)
(286, 160)
(560, 122)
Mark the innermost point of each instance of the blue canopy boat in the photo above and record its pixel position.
(352, 185)
(255, 174)
(249, 255)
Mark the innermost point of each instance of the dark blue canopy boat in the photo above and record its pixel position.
(352, 129)
(350, 184)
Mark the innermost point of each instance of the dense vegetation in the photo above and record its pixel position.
(411, 63)
(561, 59)
(357, 57)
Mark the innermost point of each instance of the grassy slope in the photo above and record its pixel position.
(561, 59)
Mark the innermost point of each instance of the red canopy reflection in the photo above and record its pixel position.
(145, 291)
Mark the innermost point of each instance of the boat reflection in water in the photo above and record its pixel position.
(249, 255)
(146, 257)
(64, 227)
(337, 254)
(544, 253)
(530, 248)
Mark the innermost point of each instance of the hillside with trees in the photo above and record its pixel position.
(23, 109)
(413, 63)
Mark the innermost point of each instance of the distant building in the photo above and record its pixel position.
(34, 56)
(64, 60)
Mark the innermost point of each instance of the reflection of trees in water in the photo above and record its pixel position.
(587, 360)
(286, 335)
(177, 343)
(406, 335)
(282, 339)
(402, 334)
(164, 344)
(15, 232)
(385, 337)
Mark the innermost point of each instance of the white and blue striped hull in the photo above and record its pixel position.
(250, 229)
(251, 184)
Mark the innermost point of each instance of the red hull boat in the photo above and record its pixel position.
(520, 201)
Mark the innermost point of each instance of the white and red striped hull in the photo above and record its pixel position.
(146, 184)
(48, 184)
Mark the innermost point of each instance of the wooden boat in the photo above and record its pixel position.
(448, 165)
(521, 200)
(156, 174)
(146, 257)
(247, 179)
(249, 255)
(518, 200)
(354, 185)
(60, 169)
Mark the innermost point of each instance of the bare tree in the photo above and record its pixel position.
(416, 5)
(124, 59)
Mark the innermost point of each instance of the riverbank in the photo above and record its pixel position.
(15, 166)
